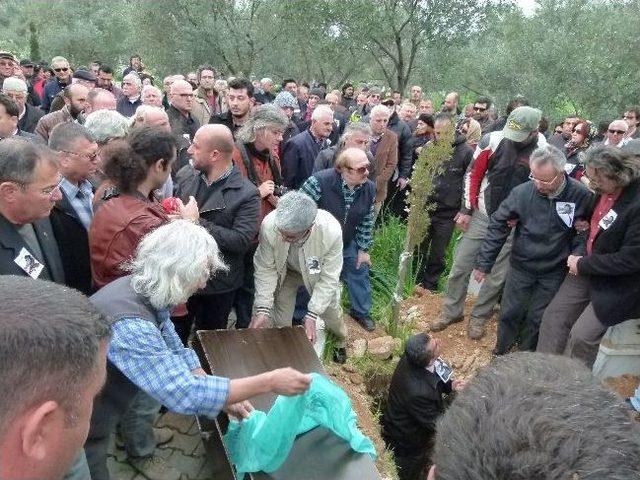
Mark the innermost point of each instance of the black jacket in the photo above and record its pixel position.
(542, 240)
(613, 267)
(298, 157)
(11, 243)
(231, 214)
(405, 144)
(30, 119)
(414, 405)
(181, 125)
(448, 186)
(73, 244)
(225, 119)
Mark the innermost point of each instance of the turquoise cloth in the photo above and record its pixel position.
(262, 442)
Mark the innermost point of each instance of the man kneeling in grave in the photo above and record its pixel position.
(300, 245)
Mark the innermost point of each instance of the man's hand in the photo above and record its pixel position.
(479, 276)
(259, 320)
(458, 385)
(310, 329)
(240, 410)
(401, 183)
(189, 211)
(287, 381)
(266, 188)
(363, 258)
(199, 372)
(462, 220)
(572, 263)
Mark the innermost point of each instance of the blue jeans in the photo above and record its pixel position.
(357, 282)
(136, 426)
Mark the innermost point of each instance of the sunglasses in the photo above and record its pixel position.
(629, 117)
(62, 69)
(361, 170)
(617, 132)
(479, 109)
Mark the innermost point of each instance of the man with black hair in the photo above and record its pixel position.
(415, 402)
(632, 117)
(515, 102)
(240, 100)
(75, 99)
(135, 65)
(481, 111)
(534, 416)
(105, 81)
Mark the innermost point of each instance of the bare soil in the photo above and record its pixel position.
(624, 385)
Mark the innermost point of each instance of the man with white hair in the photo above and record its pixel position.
(130, 100)
(301, 151)
(300, 245)
(616, 133)
(17, 90)
(546, 209)
(145, 353)
(384, 148)
(266, 95)
(105, 125)
(151, 95)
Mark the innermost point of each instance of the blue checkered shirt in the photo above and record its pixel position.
(364, 229)
(156, 361)
(81, 199)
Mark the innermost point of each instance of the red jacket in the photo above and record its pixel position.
(115, 232)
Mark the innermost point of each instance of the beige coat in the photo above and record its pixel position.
(272, 282)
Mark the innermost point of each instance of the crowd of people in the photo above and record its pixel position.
(220, 203)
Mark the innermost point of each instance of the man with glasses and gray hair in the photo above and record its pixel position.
(29, 187)
(62, 72)
(300, 245)
(356, 135)
(545, 211)
(130, 99)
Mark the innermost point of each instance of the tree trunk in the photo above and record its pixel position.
(403, 269)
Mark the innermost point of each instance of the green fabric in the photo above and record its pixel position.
(263, 441)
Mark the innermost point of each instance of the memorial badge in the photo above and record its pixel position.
(444, 371)
(608, 219)
(566, 211)
(313, 264)
(29, 263)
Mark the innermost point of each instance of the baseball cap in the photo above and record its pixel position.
(5, 54)
(25, 62)
(521, 122)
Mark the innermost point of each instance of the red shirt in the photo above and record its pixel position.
(605, 203)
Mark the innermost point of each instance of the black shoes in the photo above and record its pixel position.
(364, 322)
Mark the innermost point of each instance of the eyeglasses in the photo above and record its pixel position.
(479, 109)
(296, 238)
(361, 170)
(61, 69)
(543, 182)
(184, 95)
(617, 132)
(91, 157)
(629, 117)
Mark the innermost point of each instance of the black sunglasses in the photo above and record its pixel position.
(63, 69)
(360, 170)
(619, 132)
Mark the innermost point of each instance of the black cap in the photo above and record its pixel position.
(25, 62)
(84, 75)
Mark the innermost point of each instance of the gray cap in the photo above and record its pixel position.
(15, 84)
(285, 99)
(521, 122)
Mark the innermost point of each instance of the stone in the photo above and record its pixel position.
(381, 347)
(359, 347)
(356, 378)
(349, 368)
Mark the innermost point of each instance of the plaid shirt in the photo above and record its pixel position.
(81, 199)
(364, 229)
(157, 362)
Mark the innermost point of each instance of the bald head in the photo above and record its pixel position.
(211, 150)
(75, 98)
(100, 99)
(353, 164)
